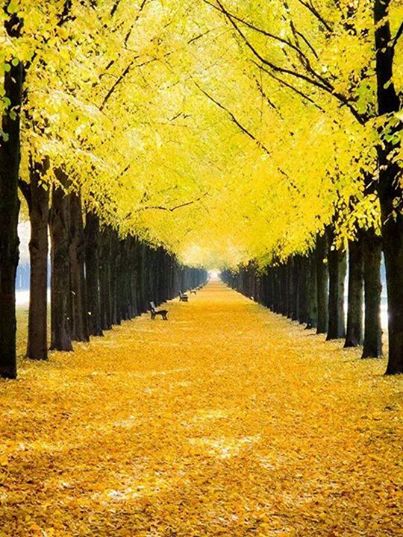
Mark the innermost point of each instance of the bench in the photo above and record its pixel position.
(154, 312)
(193, 291)
(183, 297)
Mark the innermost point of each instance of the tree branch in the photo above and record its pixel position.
(25, 190)
(251, 26)
(235, 120)
(291, 87)
(142, 6)
(116, 83)
(115, 7)
(65, 15)
(270, 64)
(310, 7)
(325, 86)
(171, 209)
(132, 64)
(397, 36)
(245, 131)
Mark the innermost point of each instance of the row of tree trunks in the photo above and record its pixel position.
(311, 290)
(97, 278)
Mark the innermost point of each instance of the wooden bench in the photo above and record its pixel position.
(183, 297)
(154, 312)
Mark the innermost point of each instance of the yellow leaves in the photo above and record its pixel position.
(227, 420)
(115, 97)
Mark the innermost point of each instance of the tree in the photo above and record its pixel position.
(13, 72)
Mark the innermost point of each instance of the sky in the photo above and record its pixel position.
(24, 234)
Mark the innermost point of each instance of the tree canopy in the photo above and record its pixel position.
(225, 131)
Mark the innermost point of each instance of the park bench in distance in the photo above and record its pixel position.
(198, 288)
(183, 297)
(154, 312)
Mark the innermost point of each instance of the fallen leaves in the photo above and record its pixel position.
(225, 421)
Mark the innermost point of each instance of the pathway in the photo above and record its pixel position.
(225, 421)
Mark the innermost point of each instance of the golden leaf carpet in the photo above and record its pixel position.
(227, 420)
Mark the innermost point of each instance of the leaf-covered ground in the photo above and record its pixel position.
(225, 421)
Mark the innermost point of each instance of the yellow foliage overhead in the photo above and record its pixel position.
(172, 121)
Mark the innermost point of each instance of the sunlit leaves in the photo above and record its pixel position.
(174, 130)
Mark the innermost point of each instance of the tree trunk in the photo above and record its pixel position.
(290, 287)
(133, 277)
(9, 209)
(37, 347)
(389, 187)
(124, 281)
(373, 290)
(322, 285)
(337, 274)
(92, 274)
(60, 265)
(115, 266)
(392, 235)
(79, 307)
(297, 287)
(312, 293)
(302, 290)
(105, 279)
(355, 294)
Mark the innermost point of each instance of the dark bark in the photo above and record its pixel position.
(355, 294)
(284, 290)
(133, 277)
(79, 306)
(296, 288)
(9, 209)
(105, 278)
(322, 286)
(290, 286)
(59, 225)
(144, 293)
(311, 293)
(337, 263)
(302, 290)
(37, 346)
(138, 276)
(114, 276)
(392, 235)
(389, 187)
(124, 281)
(372, 251)
(92, 276)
